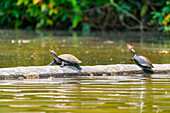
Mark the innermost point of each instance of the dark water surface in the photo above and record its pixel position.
(114, 94)
(109, 94)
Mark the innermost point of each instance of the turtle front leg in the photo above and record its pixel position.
(78, 67)
(62, 64)
(53, 62)
(132, 59)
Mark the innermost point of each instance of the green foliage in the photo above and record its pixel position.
(162, 17)
(98, 14)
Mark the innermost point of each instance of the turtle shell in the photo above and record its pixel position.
(69, 58)
(143, 61)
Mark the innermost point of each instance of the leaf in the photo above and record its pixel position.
(74, 3)
(156, 15)
(42, 22)
(17, 23)
(36, 12)
(26, 2)
(112, 1)
(1, 13)
(166, 19)
(167, 28)
(98, 11)
(64, 17)
(2, 20)
(36, 1)
(43, 7)
(15, 13)
(19, 2)
(56, 17)
(137, 3)
(86, 29)
(165, 9)
(76, 20)
(51, 12)
(122, 16)
(126, 7)
(143, 10)
(160, 28)
(51, 5)
(7, 4)
(160, 20)
(38, 25)
(55, 11)
(49, 22)
(152, 21)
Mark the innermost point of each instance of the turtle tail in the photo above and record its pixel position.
(78, 67)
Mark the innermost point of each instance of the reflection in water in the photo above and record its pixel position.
(28, 48)
(133, 94)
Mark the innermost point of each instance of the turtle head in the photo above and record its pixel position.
(53, 53)
(133, 51)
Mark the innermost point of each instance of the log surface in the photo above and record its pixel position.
(34, 72)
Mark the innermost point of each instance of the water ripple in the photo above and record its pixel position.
(99, 94)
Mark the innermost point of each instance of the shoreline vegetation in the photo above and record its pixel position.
(85, 15)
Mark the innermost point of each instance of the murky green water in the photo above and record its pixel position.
(114, 94)
(110, 94)
(28, 48)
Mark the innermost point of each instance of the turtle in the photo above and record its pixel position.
(142, 62)
(65, 59)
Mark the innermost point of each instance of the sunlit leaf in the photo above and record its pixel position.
(38, 25)
(166, 20)
(167, 27)
(26, 2)
(49, 22)
(55, 11)
(51, 12)
(43, 7)
(19, 2)
(51, 4)
(74, 3)
(36, 1)
(76, 20)
(112, 1)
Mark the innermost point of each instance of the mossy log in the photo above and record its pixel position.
(36, 72)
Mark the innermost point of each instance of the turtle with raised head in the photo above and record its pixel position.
(142, 61)
(65, 59)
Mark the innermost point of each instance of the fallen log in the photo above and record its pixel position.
(36, 72)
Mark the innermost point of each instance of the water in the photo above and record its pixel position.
(101, 94)
(29, 48)
(121, 94)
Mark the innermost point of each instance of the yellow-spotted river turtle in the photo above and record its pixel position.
(65, 59)
(142, 61)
